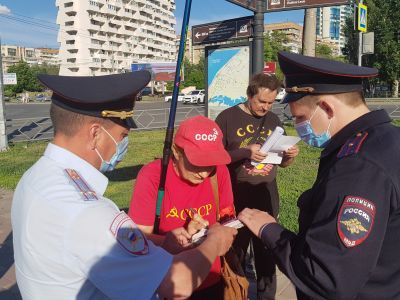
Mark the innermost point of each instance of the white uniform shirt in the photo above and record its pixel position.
(64, 246)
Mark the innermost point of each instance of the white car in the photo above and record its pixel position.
(169, 98)
(281, 94)
(196, 96)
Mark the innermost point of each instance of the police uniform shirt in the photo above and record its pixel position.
(65, 236)
(348, 243)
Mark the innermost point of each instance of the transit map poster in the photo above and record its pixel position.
(228, 73)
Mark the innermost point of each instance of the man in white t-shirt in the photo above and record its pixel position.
(71, 242)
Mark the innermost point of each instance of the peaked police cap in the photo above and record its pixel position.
(109, 96)
(305, 75)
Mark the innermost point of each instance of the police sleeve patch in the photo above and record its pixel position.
(355, 220)
(128, 235)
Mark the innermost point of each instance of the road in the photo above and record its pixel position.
(40, 110)
(31, 121)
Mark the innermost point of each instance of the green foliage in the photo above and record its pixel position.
(27, 77)
(194, 74)
(322, 50)
(384, 21)
(8, 92)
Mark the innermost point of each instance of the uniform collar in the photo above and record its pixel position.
(360, 124)
(95, 179)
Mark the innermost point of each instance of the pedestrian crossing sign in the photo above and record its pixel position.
(362, 17)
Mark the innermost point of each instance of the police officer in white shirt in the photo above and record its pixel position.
(70, 242)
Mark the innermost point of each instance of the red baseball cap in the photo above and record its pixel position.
(201, 140)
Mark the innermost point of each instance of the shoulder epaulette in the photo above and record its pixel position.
(352, 145)
(80, 184)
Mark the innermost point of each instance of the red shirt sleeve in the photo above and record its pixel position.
(226, 206)
(142, 209)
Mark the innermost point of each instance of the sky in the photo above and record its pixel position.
(32, 23)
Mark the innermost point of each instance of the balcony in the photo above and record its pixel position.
(69, 47)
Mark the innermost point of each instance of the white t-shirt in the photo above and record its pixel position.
(70, 242)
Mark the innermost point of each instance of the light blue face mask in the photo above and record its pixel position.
(307, 134)
(121, 149)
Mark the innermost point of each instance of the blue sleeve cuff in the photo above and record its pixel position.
(270, 234)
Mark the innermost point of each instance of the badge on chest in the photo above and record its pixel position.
(128, 235)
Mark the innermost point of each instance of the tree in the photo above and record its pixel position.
(194, 74)
(324, 51)
(27, 77)
(384, 21)
(273, 43)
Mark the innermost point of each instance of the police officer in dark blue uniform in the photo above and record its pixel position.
(349, 223)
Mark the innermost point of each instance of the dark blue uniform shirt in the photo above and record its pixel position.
(348, 245)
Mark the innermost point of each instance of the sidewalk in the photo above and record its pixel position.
(9, 289)
(8, 286)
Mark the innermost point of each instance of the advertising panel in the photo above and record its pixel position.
(160, 71)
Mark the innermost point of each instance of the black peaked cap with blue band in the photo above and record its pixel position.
(109, 96)
(305, 75)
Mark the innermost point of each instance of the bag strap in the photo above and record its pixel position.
(214, 186)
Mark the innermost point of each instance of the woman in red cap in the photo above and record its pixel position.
(198, 157)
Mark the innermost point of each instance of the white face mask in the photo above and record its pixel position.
(121, 150)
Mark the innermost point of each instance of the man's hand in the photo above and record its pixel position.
(254, 219)
(289, 155)
(177, 240)
(196, 224)
(222, 237)
(255, 153)
(292, 152)
(251, 170)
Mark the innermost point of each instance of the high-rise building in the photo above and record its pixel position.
(99, 37)
(331, 22)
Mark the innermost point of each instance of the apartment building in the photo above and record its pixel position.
(99, 37)
(330, 25)
(47, 56)
(12, 54)
(293, 31)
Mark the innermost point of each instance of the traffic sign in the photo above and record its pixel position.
(269, 67)
(362, 17)
(249, 4)
(9, 78)
(222, 31)
(278, 5)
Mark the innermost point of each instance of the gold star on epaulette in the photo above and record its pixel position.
(354, 226)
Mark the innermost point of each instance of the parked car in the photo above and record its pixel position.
(196, 96)
(180, 97)
(281, 94)
(42, 98)
(145, 92)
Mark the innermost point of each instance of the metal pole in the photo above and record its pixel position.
(171, 121)
(359, 55)
(3, 134)
(360, 38)
(258, 40)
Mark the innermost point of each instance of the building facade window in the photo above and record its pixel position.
(29, 53)
(12, 52)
